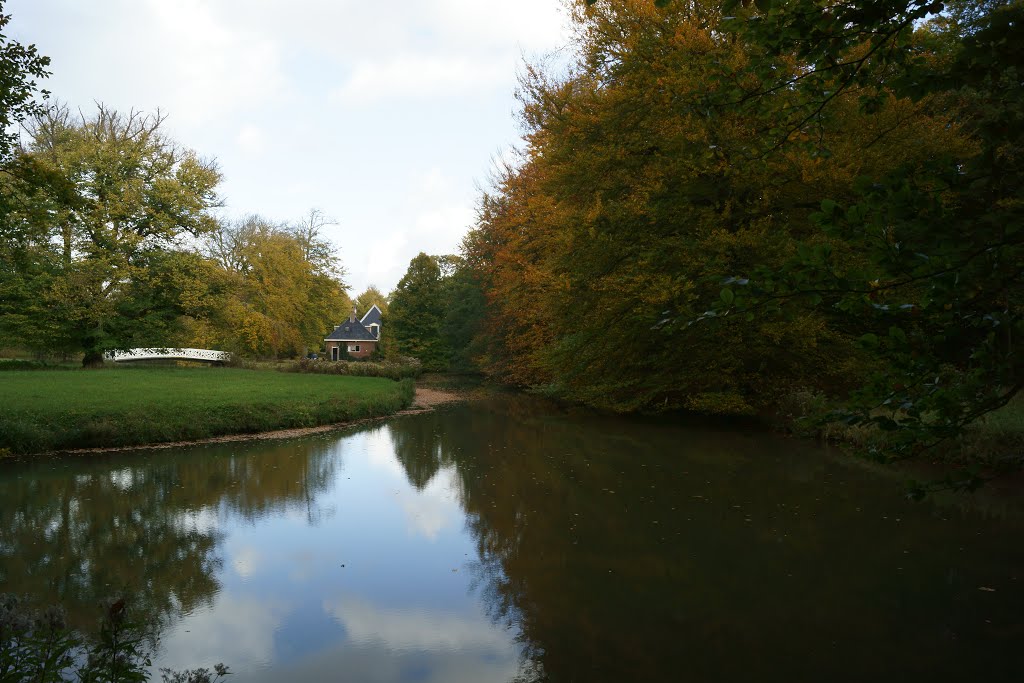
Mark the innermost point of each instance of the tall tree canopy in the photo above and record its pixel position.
(719, 206)
(416, 311)
(370, 297)
(94, 254)
(20, 66)
(436, 312)
(937, 293)
(284, 283)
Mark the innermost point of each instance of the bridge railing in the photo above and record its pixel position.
(168, 353)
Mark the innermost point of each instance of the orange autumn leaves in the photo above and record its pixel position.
(648, 176)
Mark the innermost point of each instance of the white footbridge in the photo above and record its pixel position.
(202, 355)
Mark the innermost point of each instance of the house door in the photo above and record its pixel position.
(334, 353)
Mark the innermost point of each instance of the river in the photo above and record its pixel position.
(507, 540)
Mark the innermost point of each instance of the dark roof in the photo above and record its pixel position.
(372, 317)
(350, 331)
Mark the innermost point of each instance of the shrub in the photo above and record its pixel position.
(9, 364)
(401, 368)
(38, 647)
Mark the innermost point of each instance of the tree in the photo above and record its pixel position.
(315, 249)
(464, 314)
(370, 297)
(128, 196)
(20, 65)
(416, 313)
(937, 294)
(286, 291)
(641, 189)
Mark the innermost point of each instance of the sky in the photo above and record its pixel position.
(386, 116)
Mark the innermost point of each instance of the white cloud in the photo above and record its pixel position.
(417, 76)
(387, 257)
(529, 24)
(430, 184)
(235, 629)
(252, 140)
(215, 67)
(433, 216)
(440, 229)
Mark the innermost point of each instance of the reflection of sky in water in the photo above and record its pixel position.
(399, 609)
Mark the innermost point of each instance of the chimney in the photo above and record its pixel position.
(352, 319)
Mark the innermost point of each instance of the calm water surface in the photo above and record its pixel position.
(505, 541)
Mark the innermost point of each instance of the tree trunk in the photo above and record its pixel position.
(92, 359)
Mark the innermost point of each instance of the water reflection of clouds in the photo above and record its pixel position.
(123, 479)
(204, 520)
(400, 623)
(428, 511)
(381, 453)
(432, 509)
(234, 629)
(377, 664)
(387, 644)
(245, 560)
(412, 629)
(304, 565)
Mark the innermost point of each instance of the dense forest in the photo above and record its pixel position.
(723, 207)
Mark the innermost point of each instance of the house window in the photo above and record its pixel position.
(353, 347)
(334, 353)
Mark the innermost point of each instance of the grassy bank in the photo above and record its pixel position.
(45, 410)
(994, 443)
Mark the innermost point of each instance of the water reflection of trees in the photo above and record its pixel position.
(619, 551)
(417, 445)
(143, 526)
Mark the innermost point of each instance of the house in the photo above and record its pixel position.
(358, 337)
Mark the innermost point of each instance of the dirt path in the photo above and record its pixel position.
(427, 398)
(424, 402)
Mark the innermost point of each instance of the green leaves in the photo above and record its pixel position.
(417, 311)
(111, 194)
(869, 340)
(20, 66)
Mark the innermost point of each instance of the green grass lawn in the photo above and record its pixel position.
(997, 439)
(43, 410)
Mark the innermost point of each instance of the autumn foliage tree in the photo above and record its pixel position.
(936, 293)
(370, 297)
(640, 190)
(720, 204)
(283, 284)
